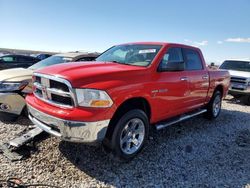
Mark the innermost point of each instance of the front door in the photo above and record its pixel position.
(173, 85)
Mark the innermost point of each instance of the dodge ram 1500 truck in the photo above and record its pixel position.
(130, 88)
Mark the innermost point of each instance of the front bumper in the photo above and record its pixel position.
(239, 92)
(73, 131)
(13, 101)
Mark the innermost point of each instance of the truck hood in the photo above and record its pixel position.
(81, 74)
(239, 73)
(15, 75)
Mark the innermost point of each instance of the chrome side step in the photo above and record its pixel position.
(177, 120)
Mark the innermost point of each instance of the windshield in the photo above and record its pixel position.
(236, 65)
(132, 54)
(53, 60)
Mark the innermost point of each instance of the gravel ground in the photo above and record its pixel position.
(195, 153)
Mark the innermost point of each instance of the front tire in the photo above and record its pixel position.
(214, 106)
(130, 135)
(246, 100)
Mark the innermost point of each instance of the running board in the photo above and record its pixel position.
(177, 120)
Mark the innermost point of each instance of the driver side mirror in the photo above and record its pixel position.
(172, 66)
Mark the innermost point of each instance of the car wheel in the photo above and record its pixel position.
(130, 135)
(246, 100)
(214, 106)
(7, 117)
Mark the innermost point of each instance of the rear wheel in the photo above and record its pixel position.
(130, 135)
(214, 106)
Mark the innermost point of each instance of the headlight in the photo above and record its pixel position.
(12, 86)
(93, 98)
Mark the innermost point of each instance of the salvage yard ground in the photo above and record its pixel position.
(195, 153)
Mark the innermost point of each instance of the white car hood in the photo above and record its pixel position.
(16, 75)
(240, 74)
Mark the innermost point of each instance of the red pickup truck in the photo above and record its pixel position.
(130, 88)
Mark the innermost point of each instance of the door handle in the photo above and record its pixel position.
(184, 78)
(205, 77)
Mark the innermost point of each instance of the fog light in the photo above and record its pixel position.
(5, 107)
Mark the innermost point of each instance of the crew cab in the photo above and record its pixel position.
(240, 78)
(130, 88)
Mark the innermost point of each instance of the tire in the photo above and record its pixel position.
(130, 135)
(7, 117)
(246, 100)
(25, 112)
(214, 106)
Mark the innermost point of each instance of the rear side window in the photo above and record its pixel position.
(173, 55)
(193, 60)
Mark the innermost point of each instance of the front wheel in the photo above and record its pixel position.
(130, 135)
(246, 100)
(214, 106)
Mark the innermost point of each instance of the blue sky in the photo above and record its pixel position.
(221, 28)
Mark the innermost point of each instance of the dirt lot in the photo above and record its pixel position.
(196, 153)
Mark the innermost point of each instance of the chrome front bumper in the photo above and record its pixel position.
(73, 131)
(14, 101)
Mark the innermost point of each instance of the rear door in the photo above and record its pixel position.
(197, 76)
(173, 85)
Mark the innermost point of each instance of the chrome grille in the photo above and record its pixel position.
(239, 80)
(238, 83)
(53, 90)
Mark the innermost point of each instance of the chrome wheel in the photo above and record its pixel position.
(216, 105)
(132, 136)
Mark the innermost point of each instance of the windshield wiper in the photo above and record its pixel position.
(116, 62)
(120, 62)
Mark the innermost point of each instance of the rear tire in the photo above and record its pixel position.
(214, 106)
(130, 135)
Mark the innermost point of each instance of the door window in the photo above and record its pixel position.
(8, 59)
(173, 55)
(193, 60)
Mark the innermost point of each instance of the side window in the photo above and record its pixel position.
(8, 59)
(23, 59)
(173, 56)
(193, 60)
(26, 59)
(86, 59)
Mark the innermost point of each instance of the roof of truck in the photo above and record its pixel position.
(162, 43)
(244, 59)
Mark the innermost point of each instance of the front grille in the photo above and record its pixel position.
(59, 85)
(61, 99)
(53, 90)
(38, 79)
(238, 83)
(239, 80)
